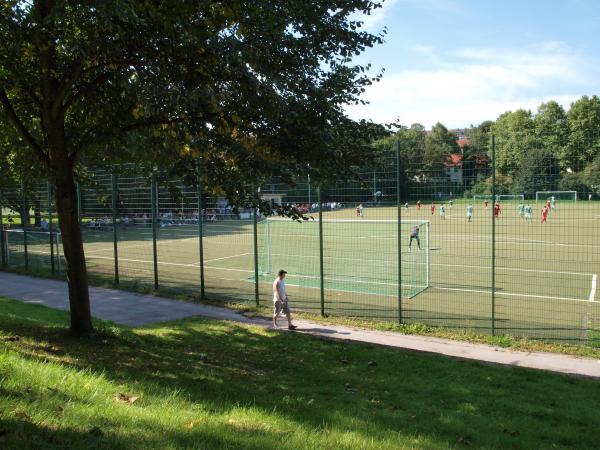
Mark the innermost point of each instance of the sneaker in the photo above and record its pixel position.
(292, 327)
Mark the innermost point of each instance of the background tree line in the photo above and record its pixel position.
(550, 149)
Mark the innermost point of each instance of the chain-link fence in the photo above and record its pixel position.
(463, 242)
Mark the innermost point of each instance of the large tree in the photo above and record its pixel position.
(584, 134)
(250, 88)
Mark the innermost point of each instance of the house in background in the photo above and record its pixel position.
(453, 168)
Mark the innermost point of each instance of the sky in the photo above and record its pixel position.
(460, 62)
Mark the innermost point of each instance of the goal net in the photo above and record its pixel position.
(510, 198)
(359, 256)
(558, 195)
(34, 248)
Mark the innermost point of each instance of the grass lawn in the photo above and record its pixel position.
(206, 384)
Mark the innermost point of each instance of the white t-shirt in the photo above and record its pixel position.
(281, 289)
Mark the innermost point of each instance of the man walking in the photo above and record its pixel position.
(280, 301)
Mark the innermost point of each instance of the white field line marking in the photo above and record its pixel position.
(225, 257)
(386, 263)
(505, 241)
(165, 263)
(510, 294)
(507, 294)
(124, 247)
(145, 261)
(593, 291)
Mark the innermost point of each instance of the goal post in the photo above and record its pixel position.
(360, 256)
(558, 195)
(37, 245)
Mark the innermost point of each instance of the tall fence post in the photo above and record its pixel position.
(154, 199)
(493, 235)
(51, 227)
(321, 272)
(399, 237)
(113, 186)
(200, 231)
(255, 243)
(79, 211)
(2, 232)
(24, 220)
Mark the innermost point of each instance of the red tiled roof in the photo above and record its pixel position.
(454, 160)
(462, 142)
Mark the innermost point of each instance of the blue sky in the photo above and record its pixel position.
(461, 62)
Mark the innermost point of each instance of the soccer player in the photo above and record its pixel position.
(544, 214)
(497, 210)
(521, 210)
(485, 204)
(528, 212)
(548, 204)
(553, 203)
(358, 211)
(450, 203)
(405, 205)
(432, 209)
(414, 235)
(469, 212)
(443, 211)
(418, 205)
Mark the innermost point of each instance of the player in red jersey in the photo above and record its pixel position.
(496, 210)
(544, 214)
(485, 204)
(432, 209)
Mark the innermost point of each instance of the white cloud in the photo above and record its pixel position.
(378, 17)
(475, 84)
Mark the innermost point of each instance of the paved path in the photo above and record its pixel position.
(132, 309)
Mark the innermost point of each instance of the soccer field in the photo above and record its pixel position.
(546, 274)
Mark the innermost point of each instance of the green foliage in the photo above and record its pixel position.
(251, 89)
(584, 139)
(539, 171)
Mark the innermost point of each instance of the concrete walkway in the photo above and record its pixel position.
(131, 309)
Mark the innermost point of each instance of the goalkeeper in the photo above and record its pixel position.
(414, 235)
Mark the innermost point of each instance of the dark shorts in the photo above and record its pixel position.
(280, 306)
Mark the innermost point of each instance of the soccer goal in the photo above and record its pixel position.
(34, 248)
(359, 256)
(558, 195)
(482, 197)
(510, 198)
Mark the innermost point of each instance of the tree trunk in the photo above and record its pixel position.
(24, 213)
(66, 207)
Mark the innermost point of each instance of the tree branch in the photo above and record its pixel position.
(21, 128)
(84, 90)
(74, 72)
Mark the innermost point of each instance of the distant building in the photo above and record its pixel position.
(453, 168)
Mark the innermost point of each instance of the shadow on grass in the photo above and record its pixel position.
(321, 386)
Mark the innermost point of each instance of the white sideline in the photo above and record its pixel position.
(593, 291)
(223, 257)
